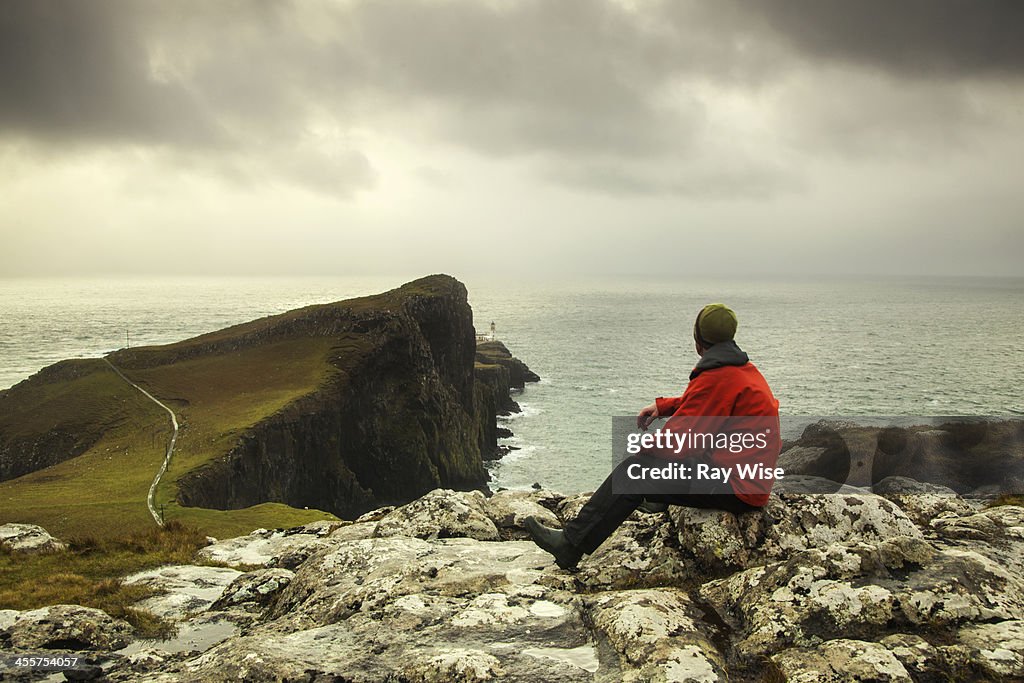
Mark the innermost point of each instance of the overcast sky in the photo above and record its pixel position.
(553, 137)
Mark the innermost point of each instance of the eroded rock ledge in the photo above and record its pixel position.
(850, 586)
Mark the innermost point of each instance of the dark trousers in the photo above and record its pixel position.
(615, 500)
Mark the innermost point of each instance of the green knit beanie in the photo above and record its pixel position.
(716, 323)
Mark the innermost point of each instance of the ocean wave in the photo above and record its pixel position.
(525, 410)
(522, 453)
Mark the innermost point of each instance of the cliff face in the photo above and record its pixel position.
(403, 415)
(396, 420)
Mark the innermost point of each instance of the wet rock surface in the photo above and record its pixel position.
(182, 590)
(851, 586)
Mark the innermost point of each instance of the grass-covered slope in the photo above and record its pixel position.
(337, 407)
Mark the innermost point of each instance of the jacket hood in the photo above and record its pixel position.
(720, 355)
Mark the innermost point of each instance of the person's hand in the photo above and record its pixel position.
(646, 416)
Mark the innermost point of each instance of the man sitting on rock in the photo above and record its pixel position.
(724, 383)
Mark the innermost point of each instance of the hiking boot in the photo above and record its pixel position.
(555, 542)
(652, 508)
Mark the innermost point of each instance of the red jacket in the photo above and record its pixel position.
(726, 383)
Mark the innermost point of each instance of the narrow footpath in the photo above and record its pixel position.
(170, 445)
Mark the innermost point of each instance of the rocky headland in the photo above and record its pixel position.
(340, 408)
(910, 582)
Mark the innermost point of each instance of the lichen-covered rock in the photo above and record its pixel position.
(442, 513)
(917, 655)
(1000, 524)
(658, 635)
(996, 533)
(458, 666)
(926, 662)
(570, 506)
(835, 587)
(184, 589)
(265, 547)
(256, 587)
(806, 483)
(366, 574)
(375, 515)
(840, 661)
(28, 539)
(998, 648)
(862, 590)
(67, 627)
(721, 542)
(641, 552)
(353, 532)
(509, 509)
(8, 617)
(924, 503)
(401, 608)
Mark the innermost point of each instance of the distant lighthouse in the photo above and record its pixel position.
(492, 330)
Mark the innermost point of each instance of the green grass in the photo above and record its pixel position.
(90, 573)
(102, 492)
(83, 396)
(229, 523)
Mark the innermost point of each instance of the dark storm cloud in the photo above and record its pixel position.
(582, 85)
(74, 70)
(917, 38)
(218, 86)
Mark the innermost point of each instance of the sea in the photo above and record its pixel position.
(603, 347)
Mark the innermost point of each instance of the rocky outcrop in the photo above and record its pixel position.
(496, 353)
(497, 374)
(28, 539)
(841, 659)
(969, 456)
(65, 627)
(720, 543)
(836, 587)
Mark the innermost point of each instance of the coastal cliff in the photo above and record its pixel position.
(339, 407)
